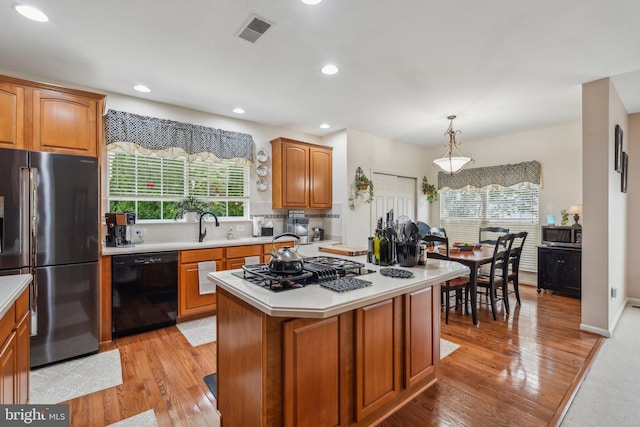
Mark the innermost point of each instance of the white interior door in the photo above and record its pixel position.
(393, 192)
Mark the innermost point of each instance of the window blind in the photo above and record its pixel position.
(152, 186)
(463, 212)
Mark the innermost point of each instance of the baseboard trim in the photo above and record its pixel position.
(599, 331)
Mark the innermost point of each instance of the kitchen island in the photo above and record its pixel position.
(312, 356)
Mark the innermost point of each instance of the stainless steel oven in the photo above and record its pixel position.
(144, 292)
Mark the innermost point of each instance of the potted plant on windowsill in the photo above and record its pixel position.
(190, 209)
(360, 185)
(429, 190)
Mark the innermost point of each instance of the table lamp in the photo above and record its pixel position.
(576, 210)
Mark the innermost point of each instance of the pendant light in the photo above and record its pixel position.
(453, 161)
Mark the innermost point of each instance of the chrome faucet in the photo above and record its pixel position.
(201, 235)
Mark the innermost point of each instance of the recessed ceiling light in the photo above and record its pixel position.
(311, 1)
(325, 126)
(31, 13)
(142, 88)
(329, 69)
(238, 110)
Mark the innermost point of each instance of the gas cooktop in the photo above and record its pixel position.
(337, 274)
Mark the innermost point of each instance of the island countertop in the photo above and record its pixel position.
(316, 302)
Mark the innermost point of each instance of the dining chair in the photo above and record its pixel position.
(490, 240)
(514, 261)
(438, 231)
(497, 276)
(460, 284)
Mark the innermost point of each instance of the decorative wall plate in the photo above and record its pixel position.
(262, 185)
(262, 155)
(261, 170)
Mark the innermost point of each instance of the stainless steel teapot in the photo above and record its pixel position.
(286, 260)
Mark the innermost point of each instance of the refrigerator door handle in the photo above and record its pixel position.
(33, 303)
(33, 234)
(25, 216)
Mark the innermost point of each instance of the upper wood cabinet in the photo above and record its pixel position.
(64, 123)
(42, 117)
(11, 116)
(302, 174)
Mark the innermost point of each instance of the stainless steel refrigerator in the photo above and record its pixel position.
(49, 227)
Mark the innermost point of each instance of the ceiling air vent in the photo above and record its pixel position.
(254, 29)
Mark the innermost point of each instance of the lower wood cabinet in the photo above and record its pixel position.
(190, 301)
(312, 372)
(236, 255)
(420, 325)
(378, 332)
(351, 369)
(14, 352)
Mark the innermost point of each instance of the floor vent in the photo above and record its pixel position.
(254, 29)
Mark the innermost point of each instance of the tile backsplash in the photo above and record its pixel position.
(173, 231)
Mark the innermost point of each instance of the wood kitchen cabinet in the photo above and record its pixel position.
(378, 329)
(65, 123)
(190, 301)
(302, 175)
(236, 255)
(421, 326)
(42, 117)
(559, 269)
(351, 369)
(11, 116)
(312, 372)
(15, 352)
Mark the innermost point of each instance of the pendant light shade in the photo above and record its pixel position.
(453, 161)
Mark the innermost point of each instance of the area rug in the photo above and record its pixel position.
(447, 347)
(198, 332)
(68, 380)
(144, 419)
(609, 394)
(211, 381)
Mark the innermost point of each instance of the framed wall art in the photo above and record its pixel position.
(624, 178)
(618, 149)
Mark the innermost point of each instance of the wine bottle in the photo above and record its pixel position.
(376, 247)
(384, 248)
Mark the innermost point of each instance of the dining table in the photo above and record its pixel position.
(480, 255)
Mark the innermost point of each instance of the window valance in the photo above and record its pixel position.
(502, 175)
(169, 138)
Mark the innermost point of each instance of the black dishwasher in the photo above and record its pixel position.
(144, 292)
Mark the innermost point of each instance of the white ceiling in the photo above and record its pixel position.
(502, 66)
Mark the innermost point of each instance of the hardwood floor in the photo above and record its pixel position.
(160, 371)
(521, 370)
(518, 370)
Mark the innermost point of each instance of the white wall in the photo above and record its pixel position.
(559, 151)
(605, 227)
(377, 154)
(632, 144)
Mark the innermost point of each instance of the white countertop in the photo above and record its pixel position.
(11, 287)
(313, 301)
(186, 245)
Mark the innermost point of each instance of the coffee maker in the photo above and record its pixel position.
(299, 226)
(120, 229)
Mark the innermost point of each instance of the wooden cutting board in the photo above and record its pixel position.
(343, 250)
